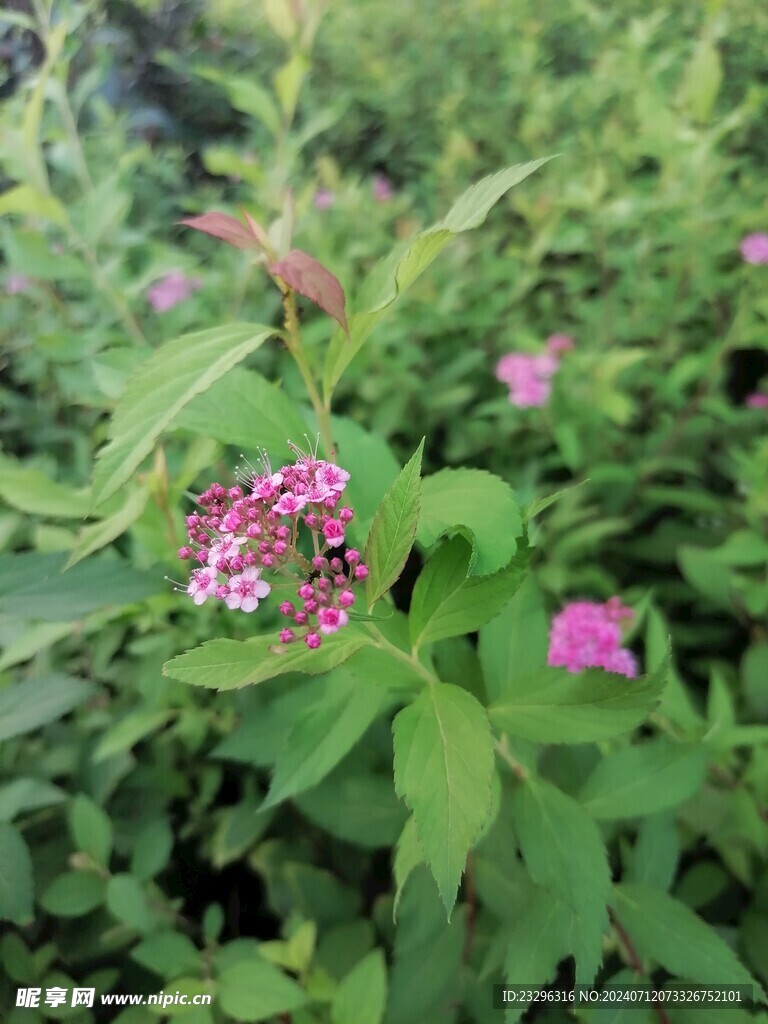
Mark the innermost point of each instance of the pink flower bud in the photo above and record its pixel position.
(346, 599)
(310, 607)
(265, 548)
(280, 547)
(301, 618)
(330, 503)
(193, 521)
(287, 636)
(235, 493)
(318, 562)
(237, 564)
(250, 558)
(267, 561)
(340, 580)
(222, 592)
(352, 556)
(346, 515)
(185, 553)
(311, 521)
(312, 640)
(283, 532)
(202, 555)
(333, 531)
(306, 591)
(287, 608)
(361, 572)
(231, 521)
(253, 530)
(324, 584)
(336, 564)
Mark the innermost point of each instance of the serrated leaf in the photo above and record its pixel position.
(324, 732)
(230, 664)
(564, 852)
(16, 886)
(96, 536)
(446, 602)
(256, 991)
(35, 702)
(245, 409)
(475, 501)
(167, 953)
(443, 770)
(643, 779)
(557, 706)
(310, 278)
(665, 931)
(405, 264)
(155, 394)
(393, 529)
(362, 995)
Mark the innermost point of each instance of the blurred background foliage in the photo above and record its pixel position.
(117, 119)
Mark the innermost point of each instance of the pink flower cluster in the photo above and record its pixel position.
(757, 400)
(172, 289)
(246, 529)
(754, 248)
(588, 635)
(529, 377)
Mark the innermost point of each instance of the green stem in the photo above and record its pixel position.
(293, 341)
(419, 667)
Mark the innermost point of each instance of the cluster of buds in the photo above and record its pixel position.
(258, 525)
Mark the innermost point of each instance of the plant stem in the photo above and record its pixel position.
(293, 341)
(633, 959)
(500, 746)
(408, 659)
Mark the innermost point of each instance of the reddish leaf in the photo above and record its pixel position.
(305, 275)
(229, 230)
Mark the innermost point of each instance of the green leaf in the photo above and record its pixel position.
(557, 706)
(643, 779)
(443, 769)
(425, 977)
(91, 829)
(701, 83)
(167, 953)
(536, 943)
(408, 856)
(564, 852)
(656, 852)
(152, 849)
(393, 529)
(155, 394)
(514, 645)
(665, 931)
(25, 199)
(32, 586)
(74, 893)
(230, 664)
(256, 991)
(35, 702)
(127, 901)
(355, 805)
(324, 732)
(247, 410)
(31, 491)
(405, 264)
(16, 887)
(128, 731)
(361, 997)
(481, 504)
(98, 535)
(447, 603)
(538, 505)
(27, 794)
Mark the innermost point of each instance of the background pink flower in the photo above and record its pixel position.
(754, 248)
(586, 634)
(382, 188)
(172, 289)
(323, 199)
(757, 400)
